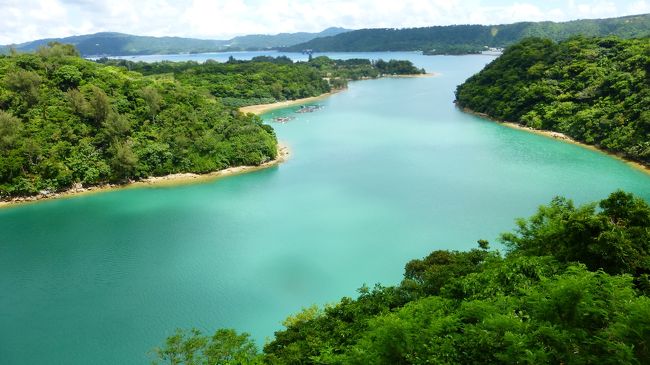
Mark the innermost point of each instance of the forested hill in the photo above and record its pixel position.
(65, 121)
(572, 289)
(472, 38)
(119, 44)
(595, 90)
(264, 41)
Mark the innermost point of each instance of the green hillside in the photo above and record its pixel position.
(65, 121)
(119, 44)
(264, 41)
(472, 38)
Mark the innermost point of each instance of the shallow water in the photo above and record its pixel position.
(386, 172)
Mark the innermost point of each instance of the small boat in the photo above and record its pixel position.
(309, 108)
(282, 119)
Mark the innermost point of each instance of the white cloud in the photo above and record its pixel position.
(639, 7)
(25, 20)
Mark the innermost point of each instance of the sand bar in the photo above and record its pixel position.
(263, 108)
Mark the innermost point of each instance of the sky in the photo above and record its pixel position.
(26, 20)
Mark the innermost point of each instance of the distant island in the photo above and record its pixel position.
(467, 39)
(594, 90)
(70, 123)
(119, 44)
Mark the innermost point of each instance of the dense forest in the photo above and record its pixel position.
(120, 44)
(455, 39)
(267, 79)
(65, 121)
(595, 90)
(572, 288)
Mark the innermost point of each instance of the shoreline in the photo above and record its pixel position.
(153, 181)
(561, 137)
(258, 109)
(427, 74)
(190, 178)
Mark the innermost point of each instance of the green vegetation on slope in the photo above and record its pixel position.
(65, 120)
(453, 39)
(120, 44)
(264, 41)
(595, 90)
(572, 289)
(267, 79)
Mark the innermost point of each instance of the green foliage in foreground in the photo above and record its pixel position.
(225, 347)
(595, 90)
(571, 290)
(65, 120)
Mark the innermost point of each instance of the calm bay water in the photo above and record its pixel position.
(386, 172)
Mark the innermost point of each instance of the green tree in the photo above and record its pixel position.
(615, 239)
(67, 77)
(10, 127)
(57, 49)
(224, 347)
(99, 105)
(153, 99)
(117, 126)
(25, 83)
(124, 160)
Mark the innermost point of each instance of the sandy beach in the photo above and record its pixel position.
(562, 137)
(154, 181)
(263, 108)
(428, 74)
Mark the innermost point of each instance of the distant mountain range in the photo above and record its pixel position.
(119, 44)
(472, 38)
(451, 39)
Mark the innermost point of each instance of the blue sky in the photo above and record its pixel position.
(24, 20)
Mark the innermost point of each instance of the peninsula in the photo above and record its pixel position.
(69, 125)
(593, 90)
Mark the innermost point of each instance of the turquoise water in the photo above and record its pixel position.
(386, 172)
